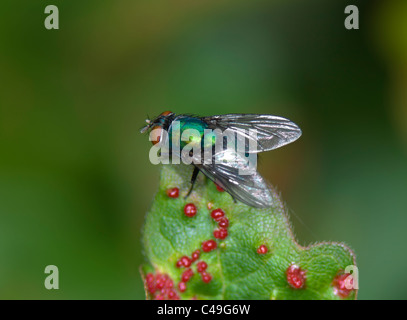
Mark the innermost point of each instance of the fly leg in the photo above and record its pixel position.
(193, 179)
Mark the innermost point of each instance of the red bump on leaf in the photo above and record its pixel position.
(190, 210)
(220, 233)
(173, 192)
(186, 275)
(169, 284)
(223, 222)
(150, 282)
(262, 249)
(151, 288)
(217, 214)
(185, 261)
(172, 295)
(195, 255)
(295, 276)
(341, 284)
(182, 286)
(160, 281)
(220, 189)
(209, 245)
(210, 205)
(201, 266)
(149, 278)
(206, 277)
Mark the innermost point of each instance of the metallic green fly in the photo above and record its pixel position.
(226, 164)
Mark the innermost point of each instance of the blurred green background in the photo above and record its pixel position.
(75, 179)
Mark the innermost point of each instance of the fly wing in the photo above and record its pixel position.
(272, 131)
(226, 170)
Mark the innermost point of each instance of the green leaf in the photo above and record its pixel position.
(238, 271)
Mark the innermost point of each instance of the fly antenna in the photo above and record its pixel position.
(148, 126)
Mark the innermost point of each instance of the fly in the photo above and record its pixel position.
(272, 132)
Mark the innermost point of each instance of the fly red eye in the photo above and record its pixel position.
(165, 113)
(155, 135)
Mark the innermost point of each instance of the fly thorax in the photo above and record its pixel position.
(186, 139)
